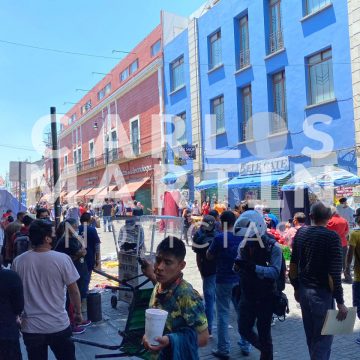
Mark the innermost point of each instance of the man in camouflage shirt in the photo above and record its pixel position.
(176, 296)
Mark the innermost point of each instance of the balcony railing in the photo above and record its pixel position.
(276, 41)
(244, 58)
(278, 122)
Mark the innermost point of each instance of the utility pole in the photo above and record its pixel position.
(20, 175)
(55, 159)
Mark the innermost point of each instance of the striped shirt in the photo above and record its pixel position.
(317, 256)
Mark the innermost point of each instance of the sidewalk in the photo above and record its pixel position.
(288, 337)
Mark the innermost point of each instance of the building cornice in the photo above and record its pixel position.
(122, 90)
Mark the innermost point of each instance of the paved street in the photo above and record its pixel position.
(289, 337)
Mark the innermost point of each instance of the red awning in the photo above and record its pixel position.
(130, 188)
(107, 192)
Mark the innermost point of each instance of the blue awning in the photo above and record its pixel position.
(257, 181)
(326, 176)
(171, 177)
(210, 184)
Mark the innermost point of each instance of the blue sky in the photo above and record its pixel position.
(33, 80)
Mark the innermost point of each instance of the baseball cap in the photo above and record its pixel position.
(250, 223)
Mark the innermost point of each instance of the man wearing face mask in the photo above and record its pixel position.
(345, 211)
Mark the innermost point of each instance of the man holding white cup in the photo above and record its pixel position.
(186, 326)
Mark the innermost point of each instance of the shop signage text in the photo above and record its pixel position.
(137, 170)
(265, 166)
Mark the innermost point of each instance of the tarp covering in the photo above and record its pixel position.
(8, 201)
(321, 176)
(171, 177)
(257, 181)
(210, 184)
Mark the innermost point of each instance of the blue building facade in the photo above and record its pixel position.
(275, 87)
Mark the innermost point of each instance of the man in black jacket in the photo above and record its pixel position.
(11, 306)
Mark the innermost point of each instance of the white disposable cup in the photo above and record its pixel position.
(155, 320)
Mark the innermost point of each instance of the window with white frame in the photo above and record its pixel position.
(217, 108)
(101, 94)
(215, 53)
(86, 107)
(156, 48)
(134, 66)
(124, 74)
(244, 42)
(91, 149)
(321, 80)
(108, 88)
(177, 73)
(312, 6)
(72, 119)
(247, 125)
(180, 129)
(135, 136)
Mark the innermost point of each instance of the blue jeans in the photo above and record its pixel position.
(356, 296)
(223, 299)
(209, 290)
(107, 220)
(314, 306)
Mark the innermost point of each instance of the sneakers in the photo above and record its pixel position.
(220, 355)
(77, 330)
(85, 323)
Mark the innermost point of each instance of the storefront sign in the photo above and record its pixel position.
(265, 166)
(137, 170)
(190, 151)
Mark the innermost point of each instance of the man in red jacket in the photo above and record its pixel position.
(341, 227)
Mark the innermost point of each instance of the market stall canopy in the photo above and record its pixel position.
(271, 179)
(130, 188)
(171, 177)
(94, 191)
(83, 192)
(8, 201)
(210, 184)
(320, 177)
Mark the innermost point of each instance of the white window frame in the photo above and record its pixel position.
(313, 6)
(136, 118)
(92, 142)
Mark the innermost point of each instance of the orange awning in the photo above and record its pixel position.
(83, 192)
(104, 192)
(130, 188)
(94, 191)
(71, 194)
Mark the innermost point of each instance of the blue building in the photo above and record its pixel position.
(273, 79)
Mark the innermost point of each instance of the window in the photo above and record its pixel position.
(156, 48)
(101, 94)
(134, 66)
(247, 126)
(217, 108)
(72, 119)
(124, 75)
(85, 108)
(180, 129)
(65, 161)
(75, 157)
(108, 88)
(244, 42)
(79, 159)
(321, 80)
(62, 127)
(315, 5)
(215, 50)
(276, 41)
(279, 120)
(91, 149)
(135, 136)
(177, 73)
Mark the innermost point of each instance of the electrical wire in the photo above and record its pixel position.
(17, 147)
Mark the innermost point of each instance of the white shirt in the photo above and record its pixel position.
(45, 276)
(347, 213)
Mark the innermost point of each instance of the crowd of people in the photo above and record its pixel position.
(239, 257)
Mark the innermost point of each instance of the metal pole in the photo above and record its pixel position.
(55, 159)
(19, 185)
